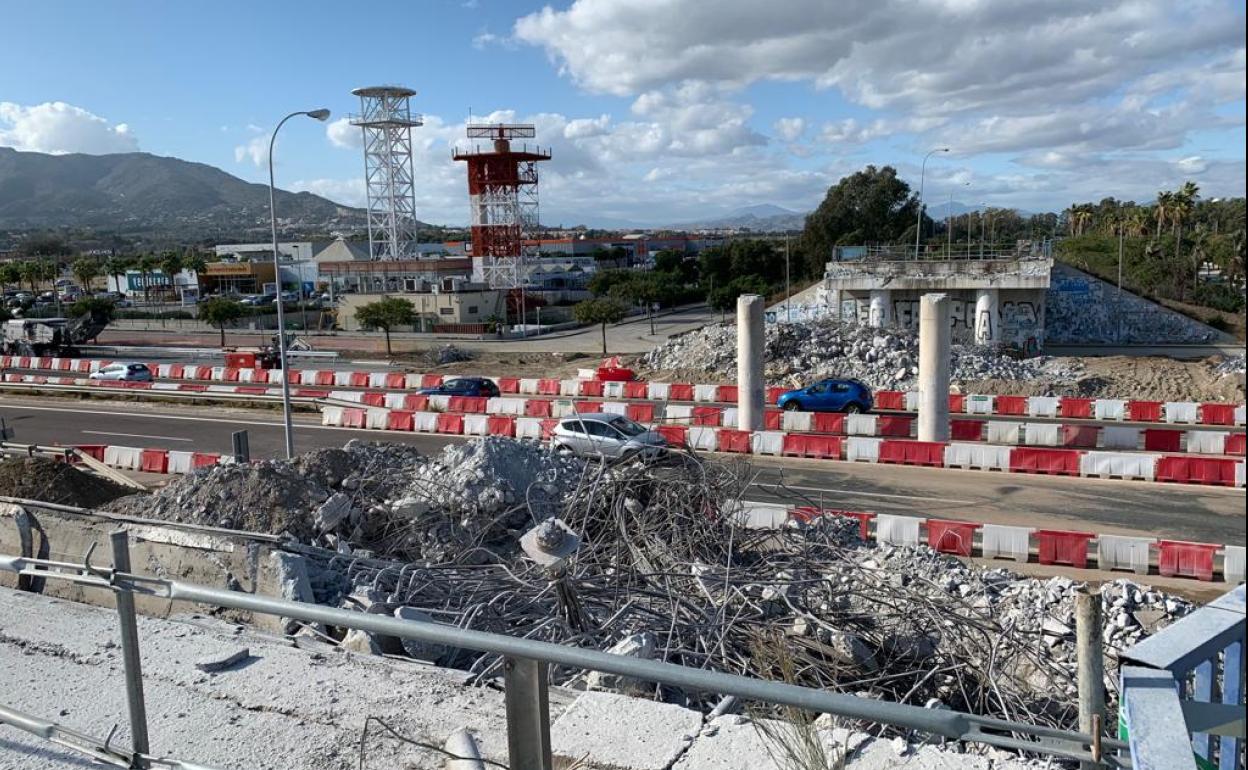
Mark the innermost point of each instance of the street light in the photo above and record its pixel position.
(319, 114)
(918, 226)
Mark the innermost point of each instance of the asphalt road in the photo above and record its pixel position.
(1187, 512)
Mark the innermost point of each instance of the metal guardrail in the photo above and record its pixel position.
(525, 673)
(1182, 701)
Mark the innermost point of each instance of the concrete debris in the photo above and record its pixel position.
(447, 354)
(1230, 366)
(378, 499)
(463, 751)
(883, 358)
(662, 569)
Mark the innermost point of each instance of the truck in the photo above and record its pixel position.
(50, 336)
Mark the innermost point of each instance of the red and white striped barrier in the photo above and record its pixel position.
(151, 460)
(1104, 409)
(1172, 558)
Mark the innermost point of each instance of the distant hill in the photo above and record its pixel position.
(763, 217)
(138, 193)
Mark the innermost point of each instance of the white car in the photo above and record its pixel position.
(123, 372)
(599, 434)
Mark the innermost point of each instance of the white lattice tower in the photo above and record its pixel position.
(387, 121)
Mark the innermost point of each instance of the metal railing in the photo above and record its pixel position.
(1024, 249)
(1182, 702)
(524, 675)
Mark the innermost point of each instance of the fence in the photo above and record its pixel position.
(524, 675)
(1183, 691)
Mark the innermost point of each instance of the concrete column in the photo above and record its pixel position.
(833, 298)
(934, 340)
(881, 314)
(987, 317)
(750, 362)
(1090, 665)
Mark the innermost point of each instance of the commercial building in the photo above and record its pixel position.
(461, 311)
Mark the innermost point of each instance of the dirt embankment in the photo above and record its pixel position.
(39, 478)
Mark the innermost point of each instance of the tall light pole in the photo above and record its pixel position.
(321, 115)
(918, 226)
(983, 227)
(788, 291)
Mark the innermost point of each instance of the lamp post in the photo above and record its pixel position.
(319, 114)
(918, 226)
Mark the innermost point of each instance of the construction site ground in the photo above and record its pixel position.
(284, 707)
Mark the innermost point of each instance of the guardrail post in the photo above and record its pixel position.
(130, 650)
(528, 714)
(1090, 666)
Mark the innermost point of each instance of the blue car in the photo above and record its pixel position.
(849, 396)
(479, 387)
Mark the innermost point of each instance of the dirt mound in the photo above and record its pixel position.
(39, 478)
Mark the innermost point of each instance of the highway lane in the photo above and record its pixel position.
(1188, 512)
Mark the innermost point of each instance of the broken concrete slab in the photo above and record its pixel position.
(623, 733)
(736, 743)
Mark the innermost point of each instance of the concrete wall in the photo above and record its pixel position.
(1020, 317)
(1083, 309)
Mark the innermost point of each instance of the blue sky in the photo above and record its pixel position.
(658, 111)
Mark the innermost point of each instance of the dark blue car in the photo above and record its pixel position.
(480, 387)
(849, 396)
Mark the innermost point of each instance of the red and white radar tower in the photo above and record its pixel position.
(502, 195)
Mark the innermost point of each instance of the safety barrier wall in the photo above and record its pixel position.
(1105, 409)
(168, 461)
(1141, 555)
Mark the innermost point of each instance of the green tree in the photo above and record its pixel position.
(85, 271)
(146, 265)
(603, 281)
(385, 314)
(646, 289)
(116, 267)
(869, 206)
(724, 298)
(45, 246)
(195, 262)
(36, 271)
(10, 273)
(219, 311)
(601, 311)
(94, 306)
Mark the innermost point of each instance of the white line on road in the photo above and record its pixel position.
(857, 493)
(135, 435)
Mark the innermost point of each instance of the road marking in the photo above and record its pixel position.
(857, 493)
(136, 435)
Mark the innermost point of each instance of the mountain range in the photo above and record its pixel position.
(137, 193)
(763, 217)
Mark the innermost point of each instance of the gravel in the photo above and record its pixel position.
(797, 353)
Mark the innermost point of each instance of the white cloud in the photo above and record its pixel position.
(349, 192)
(582, 128)
(342, 134)
(790, 129)
(59, 128)
(256, 150)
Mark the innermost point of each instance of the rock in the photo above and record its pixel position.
(222, 661)
(332, 512)
(641, 646)
(420, 650)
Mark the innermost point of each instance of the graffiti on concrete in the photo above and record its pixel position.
(1082, 309)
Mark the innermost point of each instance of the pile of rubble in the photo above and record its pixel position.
(657, 564)
(41, 478)
(383, 499)
(885, 359)
(1232, 365)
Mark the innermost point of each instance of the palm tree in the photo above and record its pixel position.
(1162, 210)
(1180, 207)
(1137, 222)
(1083, 216)
(116, 267)
(148, 263)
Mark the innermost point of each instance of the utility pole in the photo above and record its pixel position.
(788, 289)
(983, 229)
(1118, 295)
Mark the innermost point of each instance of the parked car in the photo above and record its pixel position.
(480, 387)
(123, 372)
(599, 434)
(849, 396)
